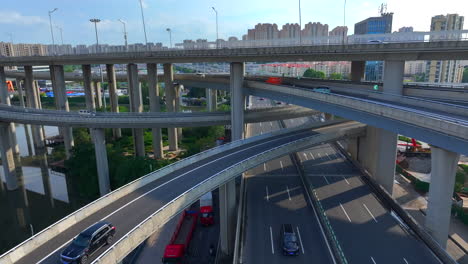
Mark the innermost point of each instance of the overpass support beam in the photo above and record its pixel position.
(443, 170)
(155, 106)
(170, 103)
(114, 98)
(98, 93)
(357, 70)
(178, 102)
(136, 105)
(19, 87)
(227, 192)
(211, 100)
(60, 93)
(101, 160)
(32, 102)
(88, 88)
(393, 77)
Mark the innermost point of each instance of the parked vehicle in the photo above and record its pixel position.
(88, 242)
(206, 209)
(179, 243)
(289, 241)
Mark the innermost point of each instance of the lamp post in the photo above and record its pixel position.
(51, 29)
(95, 21)
(170, 37)
(125, 33)
(144, 26)
(300, 23)
(217, 36)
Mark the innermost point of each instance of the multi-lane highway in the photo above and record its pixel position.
(275, 196)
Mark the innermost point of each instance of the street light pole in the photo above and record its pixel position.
(217, 36)
(51, 29)
(170, 37)
(144, 26)
(300, 23)
(95, 21)
(125, 33)
(344, 20)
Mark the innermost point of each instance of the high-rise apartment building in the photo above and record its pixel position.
(415, 67)
(290, 31)
(405, 29)
(30, 49)
(445, 71)
(315, 29)
(339, 31)
(374, 25)
(263, 31)
(6, 49)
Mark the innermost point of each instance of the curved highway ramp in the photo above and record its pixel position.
(141, 207)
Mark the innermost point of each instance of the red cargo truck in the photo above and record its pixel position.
(177, 248)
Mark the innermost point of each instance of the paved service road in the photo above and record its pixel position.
(275, 195)
(132, 209)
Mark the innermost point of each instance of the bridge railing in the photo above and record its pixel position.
(141, 232)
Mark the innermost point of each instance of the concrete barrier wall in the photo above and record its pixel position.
(45, 235)
(423, 120)
(140, 233)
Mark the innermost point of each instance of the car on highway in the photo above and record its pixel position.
(375, 41)
(87, 243)
(322, 89)
(289, 241)
(86, 112)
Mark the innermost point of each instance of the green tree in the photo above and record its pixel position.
(196, 92)
(311, 73)
(420, 77)
(465, 75)
(335, 76)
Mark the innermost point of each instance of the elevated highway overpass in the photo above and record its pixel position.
(141, 207)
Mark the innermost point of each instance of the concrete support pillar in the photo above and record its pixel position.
(178, 89)
(357, 70)
(60, 93)
(136, 105)
(170, 103)
(377, 153)
(211, 100)
(114, 98)
(101, 160)
(393, 77)
(98, 93)
(443, 170)
(155, 106)
(19, 88)
(88, 88)
(227, 192)
(32, 102)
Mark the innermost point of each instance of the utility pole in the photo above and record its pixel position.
(300, 24)
(125, 33)
(144, 26)
(52, 30)
(217, 36)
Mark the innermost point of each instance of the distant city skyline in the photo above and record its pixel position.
(27, 20)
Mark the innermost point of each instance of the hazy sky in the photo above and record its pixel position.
(28, 22)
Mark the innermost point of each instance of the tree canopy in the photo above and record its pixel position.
(311, 73)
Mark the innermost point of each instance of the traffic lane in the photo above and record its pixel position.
(165, 192)
(354, 212)
(273, 201)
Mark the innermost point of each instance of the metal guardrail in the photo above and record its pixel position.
(29, 245)
(138, 234)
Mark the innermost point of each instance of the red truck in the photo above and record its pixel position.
(206, 209)
(175, 251)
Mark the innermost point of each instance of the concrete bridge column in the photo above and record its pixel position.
(114, 98)
(19, 88)
(170, 103)
(211, 100)
(357, 70)
(32, 102)
(60, 93)
(178, 89)
(227, 192)
(155, 107)
(136, 106)
(443, 170)
(88, 88)
(393, 77)
(98, 93)
(101, 160)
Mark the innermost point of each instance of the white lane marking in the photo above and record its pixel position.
(370, 212)
(261, 132)
(268, 196)
(305, 156)
(281, 164)
(312, 155)
(405, 261)
(328, 156)
(300, 239)
(271, 124)
(319, 155)
(373, 260)
(272, 246)
(289, 195)
(260, 124)
(264, 167)
(345, 212)
(159, 186)
(326, 179)
(346, 179)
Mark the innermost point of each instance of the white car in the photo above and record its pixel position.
(86, 112)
